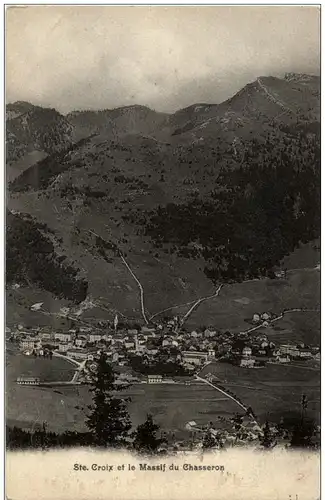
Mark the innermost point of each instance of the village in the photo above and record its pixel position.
(159, 353)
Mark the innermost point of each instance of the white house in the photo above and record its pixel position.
(30, 344)
(256, 318)
(154, 379)
(247, 351)
(64, 346)
(195, 357)
(247, 362)
(95, 337)
(63, 337)
(75, 354)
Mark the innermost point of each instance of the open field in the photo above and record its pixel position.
(272, 392)
(237, 303)
(47, 370)
(65, 408)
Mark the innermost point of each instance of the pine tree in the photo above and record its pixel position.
(304, 430)
(267, 440)
(109, 421)
(145, 437)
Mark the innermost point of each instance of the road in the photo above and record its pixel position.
(286, 311)
(143, 312)
(198, 302)
(272, 98)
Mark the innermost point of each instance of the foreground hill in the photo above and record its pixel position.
(209, 194)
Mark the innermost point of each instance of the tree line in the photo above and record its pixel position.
(255, 214)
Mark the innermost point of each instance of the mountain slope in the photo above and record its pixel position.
(30, 128)
(108, 173)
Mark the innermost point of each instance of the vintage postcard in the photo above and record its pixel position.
(162, 329)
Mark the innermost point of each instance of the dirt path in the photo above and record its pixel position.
(286, 311)
(143, 312)
(198, 302)
(272, 98)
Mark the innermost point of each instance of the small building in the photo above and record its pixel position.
(256, 318)
(77, 354)
(46, 336)
(247, 362)
(305, 353)
(63, 337)
(29, 344)
(247, 351)
(154, 379)
(28, 381)
(147, 330)
(95, 337)
(282, 359)
(195, 357)
(64, 346)
(132, 331)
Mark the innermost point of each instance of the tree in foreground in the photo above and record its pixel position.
(267, 439)
(304, 431)
(145, 437)
(108, 421)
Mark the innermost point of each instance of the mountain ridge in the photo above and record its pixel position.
(111, 172)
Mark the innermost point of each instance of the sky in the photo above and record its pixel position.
(99, 57)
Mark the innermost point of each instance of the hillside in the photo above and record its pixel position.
(214, 192)
(31, 129)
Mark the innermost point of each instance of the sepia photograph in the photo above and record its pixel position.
(162, 251)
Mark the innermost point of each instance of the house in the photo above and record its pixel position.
(256, 318)
(209, 333)
(63, 337)
(189, 367)
(247, 351)
(168, 380)
(167, 341)
(247, 362)
(29, 344)
(282, 359)
(154, 379)
(95, 337)
(28, 380)
(288, 349)
(129, 345)
(265, 316)
(46, 337)
(195, 357)
(115, 357)
(147, 330)
(305, 353)
(132, 331)
(75, 354)
(64, 346)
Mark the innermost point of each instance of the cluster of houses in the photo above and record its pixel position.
(190, 349)
(169, 342)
